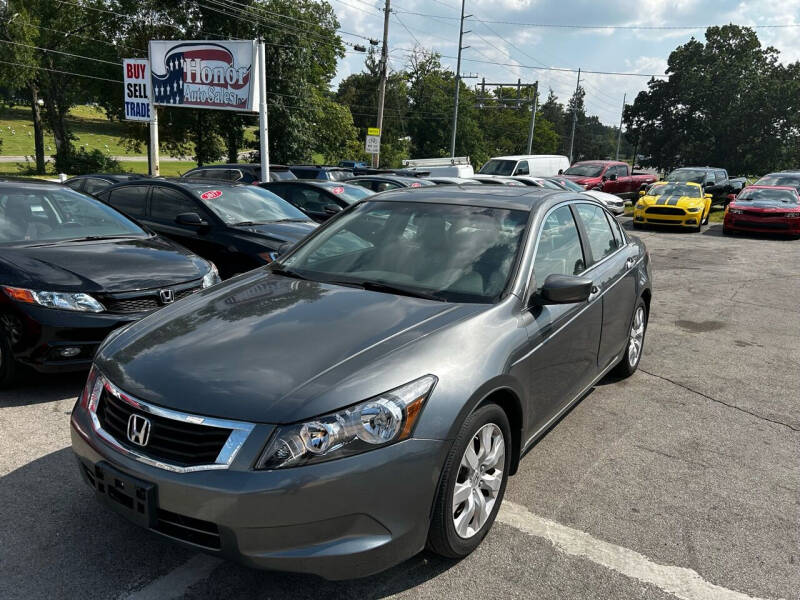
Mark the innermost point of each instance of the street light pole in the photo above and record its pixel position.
(621, 116)
(458, 83)
(574, 118)
(376, 158)
(533, 116)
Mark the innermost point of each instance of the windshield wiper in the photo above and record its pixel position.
(89, 238)
(245, 224)
(286, 273)
(388, 288)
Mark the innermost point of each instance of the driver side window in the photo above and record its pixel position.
(559, 250)
(522, 168)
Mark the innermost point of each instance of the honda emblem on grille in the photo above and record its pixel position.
(138, 429)
(167, 296)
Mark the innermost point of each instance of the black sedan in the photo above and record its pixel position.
(320, 200)
(96, 182)
(237, 226)
(73, 269)
(382, 183)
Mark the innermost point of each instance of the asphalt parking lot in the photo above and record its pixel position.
(682, 481)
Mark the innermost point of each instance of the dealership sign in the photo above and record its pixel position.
(204, 74)
(136, 75)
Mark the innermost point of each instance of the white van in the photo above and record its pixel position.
(537, 165)
(441, 167)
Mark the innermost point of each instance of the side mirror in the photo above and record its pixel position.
(190, 219)
(565, 289)
(561, 171)
(612, 177)
(331, 209)
(604, 178)
(709, 196)
(642, 193)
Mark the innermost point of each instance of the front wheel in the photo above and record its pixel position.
(633, 351)
(472, 484)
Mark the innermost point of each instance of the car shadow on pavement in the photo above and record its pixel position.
(34, 388)
(56, 540)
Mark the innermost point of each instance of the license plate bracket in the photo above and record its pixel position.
(133, 498)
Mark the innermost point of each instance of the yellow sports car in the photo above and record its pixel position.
(673, 203)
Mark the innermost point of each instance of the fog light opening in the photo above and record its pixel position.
(69, 352)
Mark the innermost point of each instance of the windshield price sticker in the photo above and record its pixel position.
(211, 194)
(338, 190)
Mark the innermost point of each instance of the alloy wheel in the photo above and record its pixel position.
(480, 477)
(636, 340)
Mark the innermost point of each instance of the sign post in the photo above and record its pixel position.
(262, 111)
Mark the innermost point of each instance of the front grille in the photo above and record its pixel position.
(188, 529)
(146, 302)
(761, 224)
(663, 221)
(177, 442)
(760, 215)
(665, 210)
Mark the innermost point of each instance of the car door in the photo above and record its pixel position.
(522, 168)
(612, 183)
(611, 268)
(563, 338)
(166, 204)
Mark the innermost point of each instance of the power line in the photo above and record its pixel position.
(16, 64)
(46, 50)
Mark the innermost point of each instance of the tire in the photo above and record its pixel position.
(445, 537)
(9, 368)
(637, 225)
(726, 231)
(629, 363)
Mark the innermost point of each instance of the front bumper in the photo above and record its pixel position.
(39, 335)
(685, 220)
(779, 225)
(343, 519)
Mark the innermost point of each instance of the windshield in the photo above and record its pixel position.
(675, 189)
(449, 252)
(498, 167)
(590, 170)
(694, 175)
(247, 204)
(281, 175)
(566, 184)
(767, 195)
(785, 179)
(339, 174)
(350, 193)
(28, 215)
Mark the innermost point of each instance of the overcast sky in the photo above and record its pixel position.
(622, 50)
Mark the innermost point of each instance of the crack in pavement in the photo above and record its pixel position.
(707, 397)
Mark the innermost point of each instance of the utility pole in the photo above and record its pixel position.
(376, 158)
(533, 115)
(621, 116)
(574, 118)
(458, 81)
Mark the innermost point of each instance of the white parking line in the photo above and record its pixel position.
(175, 583)
(678, 581)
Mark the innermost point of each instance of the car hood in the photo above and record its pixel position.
(582, 180)
(267, 348)
(289, 231)
(767, 205)
(103, 265)
(673, 200)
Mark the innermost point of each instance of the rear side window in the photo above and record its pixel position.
(75, 184)
(94, 185)
(710, 177)
(721, 175)
(131, 200)
(621, 171)
(616, 230)
(167, 204)
(199, 174)
(305, 173)
(559, 250)
(601, 239)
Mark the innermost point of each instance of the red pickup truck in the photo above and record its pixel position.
(610, 176)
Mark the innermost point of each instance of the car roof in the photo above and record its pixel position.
(598, 161)
(190, 184)
(771, 187)
(240, 166)
(694, 183)
(525, 198)
(17, 181)
(526, 156)
(390, 177)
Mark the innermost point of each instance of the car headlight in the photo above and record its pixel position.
(694, 209)
(377, 422)
(212, 277)
(735, 211)
(77, 301)
(639, 204)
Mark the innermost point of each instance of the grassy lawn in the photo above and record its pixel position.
(168, 169)
(88, 123)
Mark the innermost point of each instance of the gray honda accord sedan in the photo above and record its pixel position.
(369, 393)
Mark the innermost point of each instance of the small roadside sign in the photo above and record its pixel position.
(373, 145)
(136, 75)
(373, 131)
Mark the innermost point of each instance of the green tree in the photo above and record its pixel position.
(726, 102)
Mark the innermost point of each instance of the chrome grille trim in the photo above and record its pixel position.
(239, 430)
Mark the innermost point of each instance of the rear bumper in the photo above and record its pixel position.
(343, 519)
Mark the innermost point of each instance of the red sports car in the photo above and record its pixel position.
(764, 209)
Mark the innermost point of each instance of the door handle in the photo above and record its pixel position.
(594, 293)
(630, 262)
